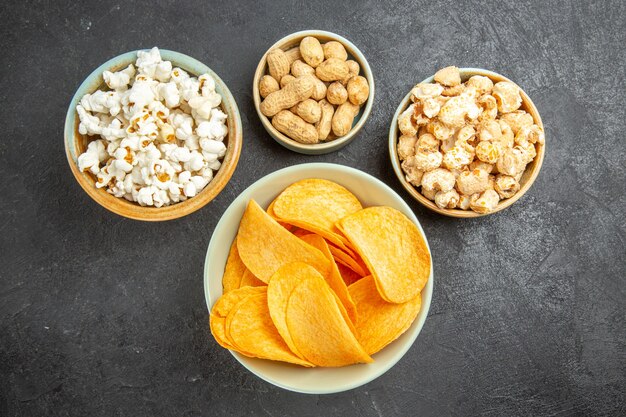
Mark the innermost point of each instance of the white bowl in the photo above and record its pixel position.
(371, 192)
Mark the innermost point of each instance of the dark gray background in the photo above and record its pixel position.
(104, 316)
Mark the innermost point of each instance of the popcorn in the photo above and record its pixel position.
(193, 143)
(429, 194)
(482, 84)
(506, 186)
(406, 146)
(169, 93)
(184, 177)
(167, 134)
(212, 130)
(507, 96)
(464, 202)
(532, 134)
(160, 198)
(189, 88)
(179, 75)
(447, 199)
(214, 165)
(440, 130)
(218, 115)
(448, 76)
(448, 144)
(425, 161)
(413, 175)
(485, 202)
(472, 182)
(431, 107)
(195, 162)
(507, 139)
(489, 107)
(202, 105)
(154, 147)
(207, 85)
(95, 103)
(89, 161)
(147, 62)
(425, 91)
(478, 164)
(89, 124)
(527, 150)
(488, 152)
(453, 91)
(438, 180)
(199, 181)
(457, 158)
(119, 80)
(466, 137)
(163, 71)
(207, 172)
(427, 144)
(518, 120)
(190, 189)
(213, 146)
(145, 196)
(140, 96)
(405, 123)
(489, 130)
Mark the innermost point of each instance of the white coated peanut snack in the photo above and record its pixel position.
(159, 132)
(466, 144)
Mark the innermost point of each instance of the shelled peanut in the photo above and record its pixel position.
(312, 92)
(466, 145)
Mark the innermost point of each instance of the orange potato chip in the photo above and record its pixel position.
(299, 232)
(270, 211)
(334, 279)
(251, 330)
(380, 322)
(234, 269)
(316, 205)
(264, 246)
(332, 237)
(315, 323)
(316, 201)
(349, 261)
(393, 250)
(249, 280)
(348, 275)
(222, 307)
(280, 287)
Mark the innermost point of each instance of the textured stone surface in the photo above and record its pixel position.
(103, 316)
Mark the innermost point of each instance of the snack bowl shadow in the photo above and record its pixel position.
(371, 192)
(76, 144)
(528, 178)
(292, 41)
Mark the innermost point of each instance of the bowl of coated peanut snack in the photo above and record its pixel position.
(313, 91)
(467, 142)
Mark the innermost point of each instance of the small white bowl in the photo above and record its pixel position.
(371, 192)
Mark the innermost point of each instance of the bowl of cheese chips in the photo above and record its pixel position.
(318, 278)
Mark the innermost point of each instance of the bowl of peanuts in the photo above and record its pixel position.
(313, 91)
(466, 142)
(153, 135)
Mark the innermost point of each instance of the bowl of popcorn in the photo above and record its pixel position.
(313, 91)
(466, 142)
(153, 135)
